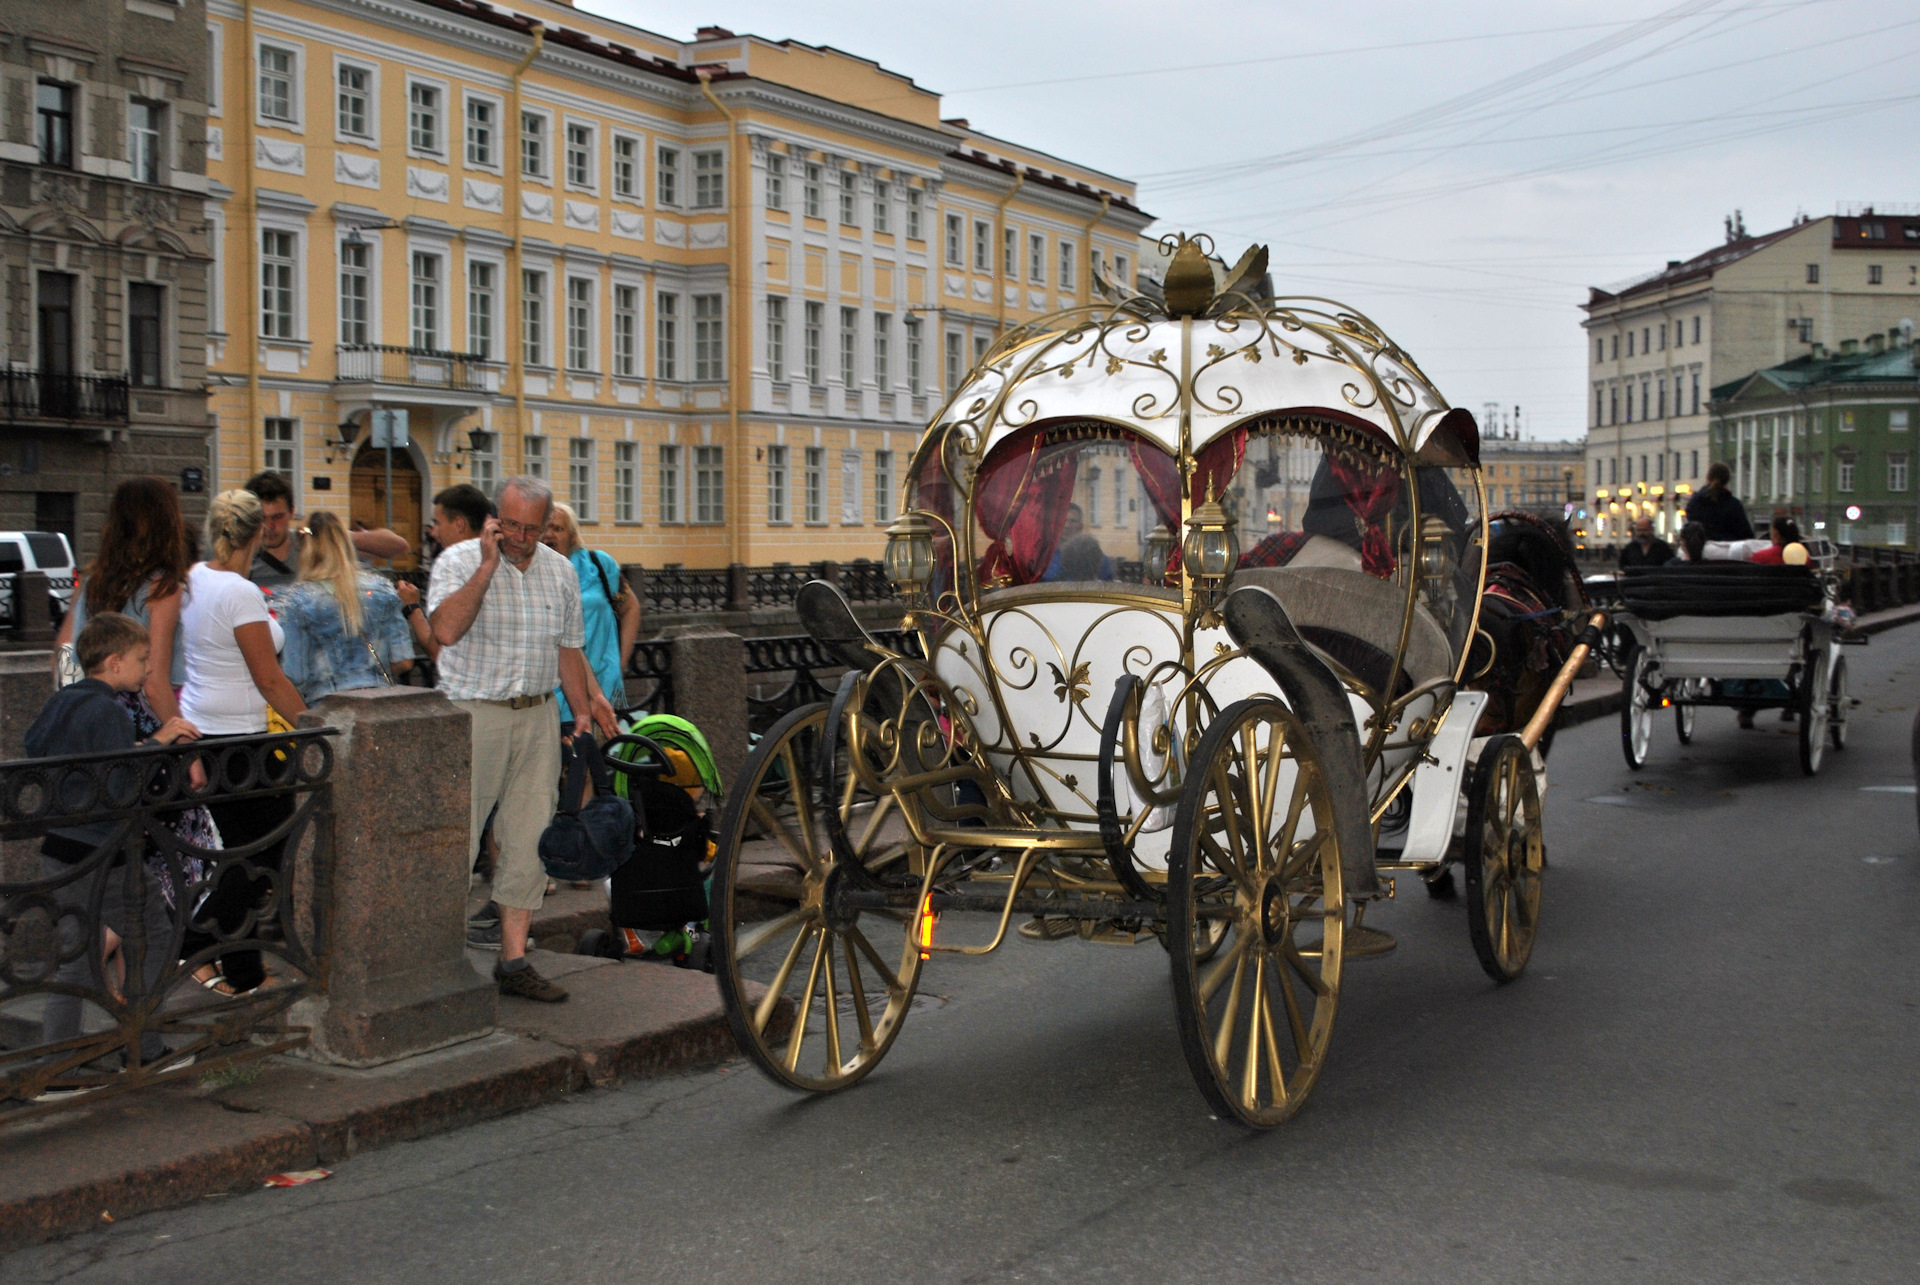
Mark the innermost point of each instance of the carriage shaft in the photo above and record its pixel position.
(1024, 904)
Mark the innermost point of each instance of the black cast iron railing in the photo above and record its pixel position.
(810, 673)
(80, 399)
(649, 677)
(678, 590)
(419, 367)
(53, 943)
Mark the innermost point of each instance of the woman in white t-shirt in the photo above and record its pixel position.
(232, 677)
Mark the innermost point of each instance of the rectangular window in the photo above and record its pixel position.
(776, 182)
(1896, 533)
(816, 485)
(580, 323)
(281, 447)
(480, 127)
(534, 456)
(953, 235)
(533, 316)
(1843, 473)
(850, 488)
(882, 357)
(1036, 258)
(579, 154)
(666, 165)
(1696, 330)
(486, 460)
(1696, 392)
(849, 333)
(626, 482)
(423, 118)
(1598, 407)
(276, 84)
(278, 266)
(143, 140)
(816, 322)
(882, 486)
(1846, 421)
(1066, 277)
(1897, 421)
(709, 180)
(776, 484)
(709, 486)
(424, 301)
(709, 338)
(1122, 270)
(626, 331)
(53, 106)
(912, 328)
(882, 207)
(777, 339)
(356, 290)
(533, 144)
(1010, 253)
(1813, 274)
(1663, 399)
(954, 371)
(669, 483)
(480, 305)
(1629, 343)
(1693, 463)
(580, 477)
(666, 336)
(144, 335)
(353, 95)
(1897, 471)
(914, 230)
(979, 349)
(1815, 472)
(1873, 274)
(849, 182)
(810, 192)
(1663, 336)
(626, 167)
(982, 247)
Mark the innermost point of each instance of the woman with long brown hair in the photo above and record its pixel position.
(344, 626)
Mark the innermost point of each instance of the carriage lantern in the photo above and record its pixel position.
(1159, 548)
(1436, 567)
(910, 555)
(1211, 550)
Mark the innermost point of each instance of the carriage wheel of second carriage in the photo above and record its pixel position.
(1636, 712)
(1683, 723)
(1254, 847)
(815, 991)
(1815, 708)
(1839, 706)
(1505, 856)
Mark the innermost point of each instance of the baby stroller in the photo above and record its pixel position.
(658, 903)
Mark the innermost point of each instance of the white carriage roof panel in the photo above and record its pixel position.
(1242, 368)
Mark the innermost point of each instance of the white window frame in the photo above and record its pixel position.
(366, 271)
(151, 141)
(777, 338)
(883, 351)
(438, 152)
(779, 486)
(629, 321)
(632, 186)
(497, 132)
(590, 154)
(709, 314)
(814, 316)
(709, 485)
(1068, 268)
(281, 454)
(850, 348)
(667, 176)
(954, 246)
(435, 304)
(1010, 253)
(670, 478)
(217, 68)
(296, 284)
(485, 471)
(955, 354)
(916, 224)
(775, 183)
(534, 456)
(1897, 472)
(542, 140)
(882, 207)
(911, 334)
(849, 198)
(1037, 258)
(583, 477)
(371, 70)
(982, 246)
(295, 121)
(709, 179)
(815, 479)
(626, 482)
(491, 293)
(883, 483)
(536, 317)
(812, 181)
(666, 334)
(580, 325)
(1843, 474)
(1122, 270)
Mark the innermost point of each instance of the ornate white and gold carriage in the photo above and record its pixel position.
(1194, 583)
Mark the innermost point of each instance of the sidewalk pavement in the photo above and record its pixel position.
(173, 1144)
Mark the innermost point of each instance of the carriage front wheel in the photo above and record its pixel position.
(1255, 849)
(1505, 857)
(814, 990)
(1816, 708)
(1636, 710)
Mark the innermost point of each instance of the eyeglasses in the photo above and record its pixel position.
(521, 528)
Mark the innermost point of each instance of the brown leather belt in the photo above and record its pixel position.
(521, 702)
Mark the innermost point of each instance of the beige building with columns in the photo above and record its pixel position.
(710, 289)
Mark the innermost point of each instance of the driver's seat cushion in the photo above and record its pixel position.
(1355, 619)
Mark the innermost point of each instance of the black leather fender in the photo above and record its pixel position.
(1260, 625)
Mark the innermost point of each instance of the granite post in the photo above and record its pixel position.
(32, 608)
(398, 982)
(26, 681)
(710, 691)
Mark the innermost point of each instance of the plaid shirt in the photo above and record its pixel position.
(524, 619)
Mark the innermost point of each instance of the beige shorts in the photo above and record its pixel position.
(516, 764)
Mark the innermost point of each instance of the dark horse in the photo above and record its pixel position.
(1533, 590)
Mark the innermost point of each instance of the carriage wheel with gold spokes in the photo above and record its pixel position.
(1505, 856)
(1254, 848)
(814, 990)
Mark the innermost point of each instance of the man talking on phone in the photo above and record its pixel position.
(505, 610)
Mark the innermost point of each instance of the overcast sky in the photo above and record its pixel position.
(1461, 172)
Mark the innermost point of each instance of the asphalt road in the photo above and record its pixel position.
(1708, 1074)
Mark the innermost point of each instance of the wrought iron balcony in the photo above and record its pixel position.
(79, 399)
(416, 367)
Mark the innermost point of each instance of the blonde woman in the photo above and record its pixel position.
(232, 677)
(344, 626)
(609, 609)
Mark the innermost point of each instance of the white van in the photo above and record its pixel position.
(45, 551)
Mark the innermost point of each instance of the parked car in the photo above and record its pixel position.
(46, 551)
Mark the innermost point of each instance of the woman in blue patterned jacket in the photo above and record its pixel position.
(344, 626)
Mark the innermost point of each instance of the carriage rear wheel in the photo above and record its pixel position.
(1505, 857)
(1815, 704)
(815, 991)
(1254, 848)
(1683, 723)
(1840, 706)
(1636, 711)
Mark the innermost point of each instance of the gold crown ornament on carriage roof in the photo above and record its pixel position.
(1193, 578)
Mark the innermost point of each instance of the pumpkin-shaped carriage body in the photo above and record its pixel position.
(1192, 587)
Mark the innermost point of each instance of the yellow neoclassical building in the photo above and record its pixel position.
(710, 290)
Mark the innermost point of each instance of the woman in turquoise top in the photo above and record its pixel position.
(611, 612)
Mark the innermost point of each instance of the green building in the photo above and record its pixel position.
(1828, 437)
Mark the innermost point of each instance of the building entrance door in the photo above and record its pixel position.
(369, 506)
